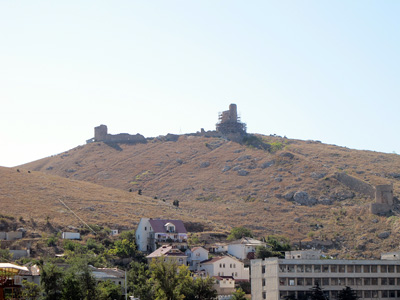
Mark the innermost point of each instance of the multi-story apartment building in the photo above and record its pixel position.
(275, 278)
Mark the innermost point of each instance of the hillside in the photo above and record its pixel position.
(231, 184)
(35, 199)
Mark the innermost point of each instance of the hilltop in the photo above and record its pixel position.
(231, 184)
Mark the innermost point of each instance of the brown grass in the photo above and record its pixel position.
(172, 171)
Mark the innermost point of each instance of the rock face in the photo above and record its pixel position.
(303, 198)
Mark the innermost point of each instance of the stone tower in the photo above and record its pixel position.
(100, 133)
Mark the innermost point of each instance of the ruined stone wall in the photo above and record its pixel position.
(101, 135)
(356, 185)
(384, 194)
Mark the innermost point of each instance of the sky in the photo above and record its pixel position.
(310, 70)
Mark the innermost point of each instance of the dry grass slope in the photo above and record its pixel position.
(221, 182)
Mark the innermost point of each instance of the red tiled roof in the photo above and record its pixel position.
(158, 225)
(212, 260)
(166, 251)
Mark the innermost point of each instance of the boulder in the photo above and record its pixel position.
(303, 198)
(243, 173)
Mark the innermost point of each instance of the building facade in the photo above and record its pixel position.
(153, 233)
(275, 278)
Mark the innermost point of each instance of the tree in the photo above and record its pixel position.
(71, 287)
(201, 289)
(347, 294)
(30, 290)
(138, 281)
(238, 233)
(317, 293)
(238, 295)
(109, 290)
(278, 243)
(265, 252)
(5, 255)
(52, 281)
(169, 280)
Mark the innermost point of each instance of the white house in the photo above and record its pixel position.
(152, 233)
(168, 253)
(241, 248)
(224, 266)
(195, 256)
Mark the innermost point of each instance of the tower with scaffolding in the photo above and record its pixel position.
(229, 124)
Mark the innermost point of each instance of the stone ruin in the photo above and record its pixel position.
(229, 124)
(101, 135)
(228, 127)
(383, 194)
(383, 199)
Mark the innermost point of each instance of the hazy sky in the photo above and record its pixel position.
(321, 70)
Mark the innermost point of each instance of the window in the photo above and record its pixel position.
(308, 268)
(384, 281)
(290, 268)
(367, 269)
(350, 269)
(317, 268)
(236, 274)
(350, 281)
(358, 269)
(309, 281)
(291, 281)
(300, 281)
(391, 269)
(282, 281)
(367, 294)
(385, 294)
(230, 266)
(391, 281)
(234, 265)
(333, 269)
(325, 269)
(263, 269)
(392, 294)
(367, 281)
(374, 281)
(383, 269)
(374, 269)
(264, 294)
(325, 281)
(300, 268)
(342, 268)
(374, 294)
(145, 228)
(358, 281)
(282, 268)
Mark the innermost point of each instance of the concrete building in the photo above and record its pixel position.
(275, 278)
